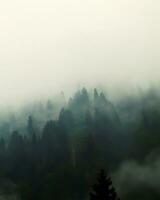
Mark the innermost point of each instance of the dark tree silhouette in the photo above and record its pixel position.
(103, 189)
(30, 127)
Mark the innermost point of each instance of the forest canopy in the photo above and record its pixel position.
(54, 147)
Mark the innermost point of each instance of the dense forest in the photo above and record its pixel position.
(55, 150)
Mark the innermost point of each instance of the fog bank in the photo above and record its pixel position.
(48, 46)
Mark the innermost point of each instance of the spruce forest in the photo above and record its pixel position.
(84, 148)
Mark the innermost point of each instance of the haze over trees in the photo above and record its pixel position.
(49, 151)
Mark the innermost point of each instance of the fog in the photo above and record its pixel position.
(141, 177)
(47, 46)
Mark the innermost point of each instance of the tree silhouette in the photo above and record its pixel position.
(30, 126)
(103, 189)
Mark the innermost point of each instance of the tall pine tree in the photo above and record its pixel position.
(103, 189)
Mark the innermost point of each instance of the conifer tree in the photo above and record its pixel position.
(103, 189)
(30, 126)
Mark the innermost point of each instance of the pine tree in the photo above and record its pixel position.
(103, 189)
(30, 126)
(96, 97)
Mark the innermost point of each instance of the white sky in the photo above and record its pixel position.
(50, 45)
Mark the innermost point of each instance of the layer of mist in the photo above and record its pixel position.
(77, 136)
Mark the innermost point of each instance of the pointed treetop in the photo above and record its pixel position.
(30, 126)
(103, 189)
(95, 94)
(84, 90)
(102, 96)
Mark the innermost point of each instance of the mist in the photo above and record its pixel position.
(49, 46)
(142, 178)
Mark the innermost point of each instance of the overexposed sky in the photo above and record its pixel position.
(50, 45)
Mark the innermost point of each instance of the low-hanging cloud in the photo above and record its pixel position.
(47, 46)
(140, 181)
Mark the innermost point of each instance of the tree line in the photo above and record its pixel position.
(61, 160)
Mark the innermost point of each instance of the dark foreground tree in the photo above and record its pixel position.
(103, 189)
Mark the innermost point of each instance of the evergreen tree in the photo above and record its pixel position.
(96, 97)
(30, 126)
(103, 189)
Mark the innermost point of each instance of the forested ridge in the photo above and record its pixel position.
(57, 156)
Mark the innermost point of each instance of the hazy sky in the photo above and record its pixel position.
(50, 45)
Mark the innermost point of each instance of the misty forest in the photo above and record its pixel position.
(79, 100)
(86, 148)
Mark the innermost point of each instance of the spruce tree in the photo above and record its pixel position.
(30, 126)
(103, 189)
